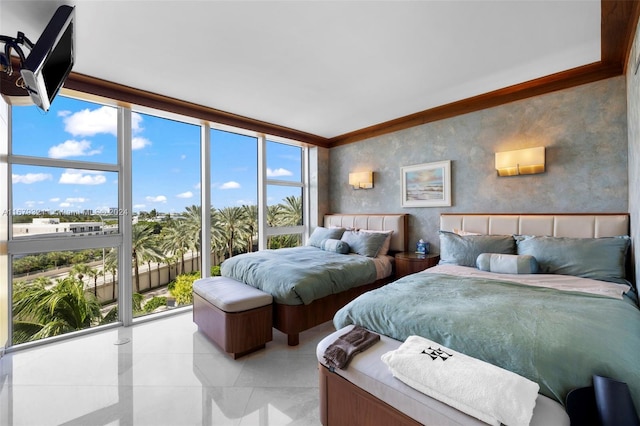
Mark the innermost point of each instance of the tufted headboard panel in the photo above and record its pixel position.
(375, 222)
(557, 225)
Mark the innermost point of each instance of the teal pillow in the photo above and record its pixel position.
(364, 243)
(322, 233)
(597, 258)
(463, 250)
(507, 263)
(336, 246)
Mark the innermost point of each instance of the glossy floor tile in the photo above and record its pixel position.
(168, 374)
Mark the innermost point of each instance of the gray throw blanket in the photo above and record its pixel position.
(340, 352)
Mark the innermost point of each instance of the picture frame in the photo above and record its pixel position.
(426, 185)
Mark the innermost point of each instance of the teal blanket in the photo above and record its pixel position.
(557, 339)
(300, 275)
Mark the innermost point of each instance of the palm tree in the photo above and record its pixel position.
(94, 273)
(218, 240)
(251, 217)
(175, 240)
(111, 265)
(291, 211)
(234, 226)
(193, 225)
(144, 246)
(80, 270)
(42, 310)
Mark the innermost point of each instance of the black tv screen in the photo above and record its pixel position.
(51, 59)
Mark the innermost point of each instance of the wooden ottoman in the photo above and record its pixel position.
(235, 316)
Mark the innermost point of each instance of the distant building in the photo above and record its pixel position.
(53, 227)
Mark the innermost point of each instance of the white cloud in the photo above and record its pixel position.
(73, 148)
(187, 194)
(64, 113)
(278, 172)
(156, 199)
(54, 200)
(139, 143)
(88, 122)
(139, 206)
(31, 178)
(82, 178)
(230, 185)
(65, 205)
(183, 157)
(77, 200)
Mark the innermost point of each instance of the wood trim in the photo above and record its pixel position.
(619, 20)
(130, 95)
(562, 80)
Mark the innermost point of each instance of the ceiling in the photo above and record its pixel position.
(323, 68)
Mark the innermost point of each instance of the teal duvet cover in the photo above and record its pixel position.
(300, 275)
(557, 339)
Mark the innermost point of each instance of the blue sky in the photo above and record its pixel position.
(165, 159)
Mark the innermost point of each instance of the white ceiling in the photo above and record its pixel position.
(321, 67)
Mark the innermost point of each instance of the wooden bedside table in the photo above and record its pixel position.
(410, 263)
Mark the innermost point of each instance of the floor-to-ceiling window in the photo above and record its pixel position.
(165, 156)
(64, 219)
(106, 210)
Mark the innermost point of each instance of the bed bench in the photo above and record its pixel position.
(235, 316)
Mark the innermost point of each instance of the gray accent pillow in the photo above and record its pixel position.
(507, 263)
(364, 243)
(463, 250)
(322, 233)
(596, 258)
(334, 245)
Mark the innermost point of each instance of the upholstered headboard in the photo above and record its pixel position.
(557, 225)
(375, 222)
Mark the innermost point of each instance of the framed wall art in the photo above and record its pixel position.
(426, 185)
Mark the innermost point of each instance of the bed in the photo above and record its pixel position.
(294, 275)
(541, 326)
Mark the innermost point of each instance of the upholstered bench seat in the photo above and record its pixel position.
(235, 316)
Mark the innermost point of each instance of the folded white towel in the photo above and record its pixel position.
(482, 390)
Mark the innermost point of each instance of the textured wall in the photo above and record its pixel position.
(633, 114)
(584, 130)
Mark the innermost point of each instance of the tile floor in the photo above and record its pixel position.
(168, 374)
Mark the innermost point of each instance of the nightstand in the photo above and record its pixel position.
(409, 263)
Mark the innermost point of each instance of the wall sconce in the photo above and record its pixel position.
(528, 161)
(361, 180)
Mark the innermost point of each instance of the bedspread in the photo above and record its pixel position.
(558, 339)
(300, 275)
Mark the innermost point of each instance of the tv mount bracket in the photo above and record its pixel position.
(13, 43)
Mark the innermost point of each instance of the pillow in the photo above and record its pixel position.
(322, 233)
(387, 242)
(364, 243)
(333, 245)
(596, 258)
(507, 263)
(463, 250)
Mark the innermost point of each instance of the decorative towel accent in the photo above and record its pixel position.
(475, 387)
(340, 352)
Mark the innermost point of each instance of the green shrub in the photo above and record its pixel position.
(183, 288)
(154, 303)
(215, 271)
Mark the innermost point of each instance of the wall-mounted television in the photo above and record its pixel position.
(50, 61)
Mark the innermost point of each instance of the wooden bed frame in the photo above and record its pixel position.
(293, 319)
(344, 403)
